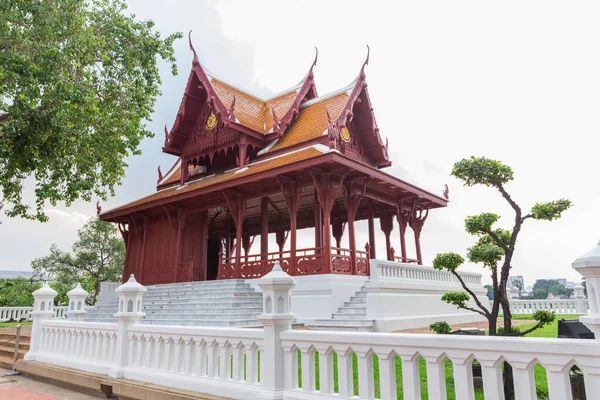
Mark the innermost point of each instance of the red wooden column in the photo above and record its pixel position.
(292, 195)
(416, 223)
(404, 217)
(237, 205)
(178, 253)
(371, 229)
(386, 222)
(264, 233)
(318, 223)
(353, 196)
(337, 229)
(327, 188)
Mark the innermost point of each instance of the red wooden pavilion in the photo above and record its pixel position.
(248, 166)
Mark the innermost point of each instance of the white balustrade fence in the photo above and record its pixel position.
(385, 270)
(24, 313)
(559, 306)
(277, 362)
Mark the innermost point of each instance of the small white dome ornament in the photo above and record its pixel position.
(588, 265)
(77, 298)
(130, 298)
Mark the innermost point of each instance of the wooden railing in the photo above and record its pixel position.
(309, 261)
(184, 270)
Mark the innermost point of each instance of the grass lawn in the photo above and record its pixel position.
(549, 331)
(9, 324)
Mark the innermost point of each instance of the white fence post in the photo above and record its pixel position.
(77, 298)
(43, 309)
(276, 318)
(130, 312)
(581, 307)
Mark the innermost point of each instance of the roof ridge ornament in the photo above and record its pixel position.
(310, 71)
(362, 70)
(195, 61)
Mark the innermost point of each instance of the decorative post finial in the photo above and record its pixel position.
(98, 208)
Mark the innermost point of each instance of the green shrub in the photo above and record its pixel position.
(441, 328)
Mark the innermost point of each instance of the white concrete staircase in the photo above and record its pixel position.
(352, 316)
(209, 303)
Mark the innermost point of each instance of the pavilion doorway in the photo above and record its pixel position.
(212, 257)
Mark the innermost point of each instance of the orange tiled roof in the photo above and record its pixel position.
(250, 111)
(312, 121)
(230, 175)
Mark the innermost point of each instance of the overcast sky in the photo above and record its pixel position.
(515, 81)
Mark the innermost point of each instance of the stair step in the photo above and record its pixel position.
(355, 304)
(336, 327)
(350, 311)
(338, 316)
(214, 303)
(355, 299)
(344, 322)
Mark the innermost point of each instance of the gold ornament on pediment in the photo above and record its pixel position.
(345, 135)
(211, 122)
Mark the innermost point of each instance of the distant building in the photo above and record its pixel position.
(18, 274)
(562, 281)
(570, 285)
(513, 278)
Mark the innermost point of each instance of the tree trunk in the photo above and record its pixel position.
(509, 385)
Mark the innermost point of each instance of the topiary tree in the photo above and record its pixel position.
(441, 328)
(494, 248)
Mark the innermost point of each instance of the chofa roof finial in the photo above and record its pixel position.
(195, 61)
(362, 70)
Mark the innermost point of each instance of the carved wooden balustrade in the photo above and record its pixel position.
(309, 261)
(184, 270)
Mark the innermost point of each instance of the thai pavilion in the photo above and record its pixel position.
(247, 166)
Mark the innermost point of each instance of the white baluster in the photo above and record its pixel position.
(366, 383)
(345, 377)
(493, 388)
(225, 364)
(213, 360)
(326, 371)
(387, 375)
(252, 364)
(308, 370)
(559, 385)
(436, 378)
(524, 381)
(463, 378)
(411, 379)
(591, 378)
(238, 362)
(291, 368)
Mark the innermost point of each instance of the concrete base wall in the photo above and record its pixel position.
(319, 296)
(397, 304)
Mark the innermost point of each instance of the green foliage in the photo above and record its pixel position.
(550, 211)
(448, 261)
(490, 291)
(482, 223)
(545, 284)
(98, 256)
(514, 331)
(482, 171)
(544, 317)
(17, 292)
(557, 290)
(458, 299)
(78, 80)
(486, 253)
(540, 294)
(441, 328)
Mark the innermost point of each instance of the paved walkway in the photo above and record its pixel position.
(480, 325)
(24, 388)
